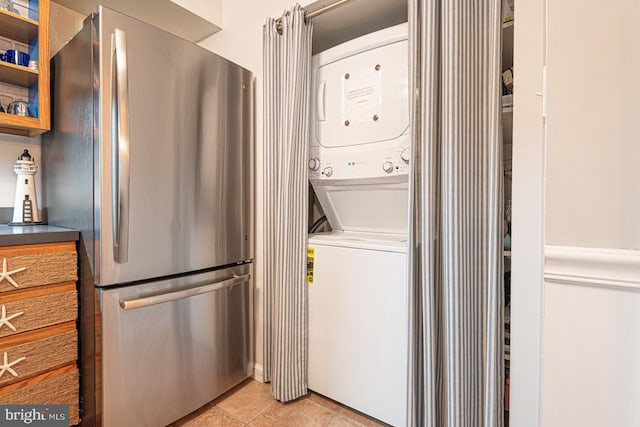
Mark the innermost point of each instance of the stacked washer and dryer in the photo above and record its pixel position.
(358, 166)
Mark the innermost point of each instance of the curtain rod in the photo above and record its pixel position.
(317, 12)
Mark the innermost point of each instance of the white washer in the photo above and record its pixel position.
(358, 317)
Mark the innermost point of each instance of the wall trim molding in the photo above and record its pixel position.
(599, 267)
(258, 372)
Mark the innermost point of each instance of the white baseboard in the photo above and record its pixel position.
(600, 267)
(258, 372)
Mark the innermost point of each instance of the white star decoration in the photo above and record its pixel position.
(7, 274)
(5, 320)
(6, 366)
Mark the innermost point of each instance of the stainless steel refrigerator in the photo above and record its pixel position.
(151, 157)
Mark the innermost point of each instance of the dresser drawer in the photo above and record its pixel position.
(29, 309)
(58, 387)
(31, 353)
(37, 265)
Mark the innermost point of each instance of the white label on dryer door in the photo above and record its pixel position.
(361, 96)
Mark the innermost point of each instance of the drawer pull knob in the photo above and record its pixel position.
(4, 274)
(6, 320)
(6, 366)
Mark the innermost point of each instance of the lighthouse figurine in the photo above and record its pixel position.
(25, 211)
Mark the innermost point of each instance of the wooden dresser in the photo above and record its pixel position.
(38, 335)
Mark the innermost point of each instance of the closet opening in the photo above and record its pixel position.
(353, 19)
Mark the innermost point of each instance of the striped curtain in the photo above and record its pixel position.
(456, 342)
(287, 62)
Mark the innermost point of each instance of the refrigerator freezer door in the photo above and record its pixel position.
(175, 169)
(170, 347)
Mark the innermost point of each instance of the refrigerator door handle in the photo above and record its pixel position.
(186, 293)
(120, 146)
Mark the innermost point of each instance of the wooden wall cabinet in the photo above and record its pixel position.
(29, 27)
(38, 335)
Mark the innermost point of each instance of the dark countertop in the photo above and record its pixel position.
(30, 234)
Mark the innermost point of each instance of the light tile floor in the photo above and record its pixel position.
(251, 404)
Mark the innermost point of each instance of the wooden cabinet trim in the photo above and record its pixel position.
(56, 387)
(28, 314)
(37, 379)
(36, 249)
(30, 32)
(40, 356)
(44, 95)
(38, 334)
(47, 373)
(40, 269)
(20, 294)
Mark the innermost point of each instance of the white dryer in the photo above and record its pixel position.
(359, 149)
(358, 167)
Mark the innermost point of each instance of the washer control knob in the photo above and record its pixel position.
(405, 155)
(314, 164)
(328, 171)
(387, 167)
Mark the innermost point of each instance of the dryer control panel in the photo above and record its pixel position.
(387, 159)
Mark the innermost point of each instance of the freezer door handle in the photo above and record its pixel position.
(120, 146)
(186, 293)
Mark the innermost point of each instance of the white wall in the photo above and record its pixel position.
(211, 10)
(64, 24)
(10, 148)
(241, 41)
(593, 148)
(584, 157)
(591, 374)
